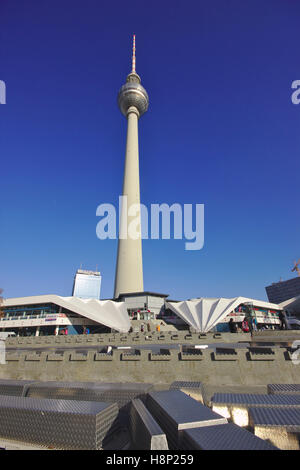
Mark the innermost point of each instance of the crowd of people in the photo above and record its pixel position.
(249, 324)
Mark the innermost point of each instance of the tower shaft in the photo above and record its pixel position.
(129, 271)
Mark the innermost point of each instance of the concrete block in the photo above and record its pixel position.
(225, 355)
(130, 357)
(16, 388)
(12, 357)
(145, 433)
(284, 389)
(217, 335)
(188, 337)
(222, 437)
(160, 357)
(78, 357)
(261, 354)
(54, 357)
(32, 357)
(175, 411)
(280, 426)
(191, 356)
(236, 405)
(161, 337)
(103, 357)
(63, 424)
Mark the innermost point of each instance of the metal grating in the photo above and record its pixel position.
(288, 418)
(174, 411)
(182, 384)
(146, 434)
(247, 399)
(121, 393)
(292, 389)
(222, 437)
(16, 388)
(61, 424)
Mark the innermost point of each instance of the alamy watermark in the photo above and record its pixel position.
(296, 354)
(136, 221)
(2, 92)
(2, 352)
(295, 97)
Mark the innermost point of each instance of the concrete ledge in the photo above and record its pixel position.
(161, 337)
(103, 357)
(12, 357)
(224, 357)
(130, 357)
(164, 368)
(274, 333)
(261, 354)
(32, 357)
(218, 335)
(168, 337)
(55, 357)
(78, 357)
(188, 337)
(198, 356)
(159, 357)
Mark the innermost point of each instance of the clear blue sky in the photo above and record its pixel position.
(221, 130)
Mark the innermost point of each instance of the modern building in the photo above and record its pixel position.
(143, 305)
(208, 314)
(292, 309)
(87, 284)
(133, 103)
(53, 314)
(280, 291)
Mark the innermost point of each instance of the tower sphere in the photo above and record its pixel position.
(133, 94)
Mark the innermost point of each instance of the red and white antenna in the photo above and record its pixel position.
(133, 55)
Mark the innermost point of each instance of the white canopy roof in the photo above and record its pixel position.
(292, 304)
(106, 312)
(204, 313)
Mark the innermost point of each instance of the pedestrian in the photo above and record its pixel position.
(283, 321)
(245, 326)
(232, 326)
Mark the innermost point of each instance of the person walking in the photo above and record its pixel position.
(245, 326)
(232, 326)
(283, 321)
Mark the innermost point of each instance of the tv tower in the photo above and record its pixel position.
(133, 102)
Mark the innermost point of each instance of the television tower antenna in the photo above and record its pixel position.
(133, 55)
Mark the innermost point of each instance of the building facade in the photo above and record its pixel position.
(280, 291)
(52, 315)
(87, 284)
